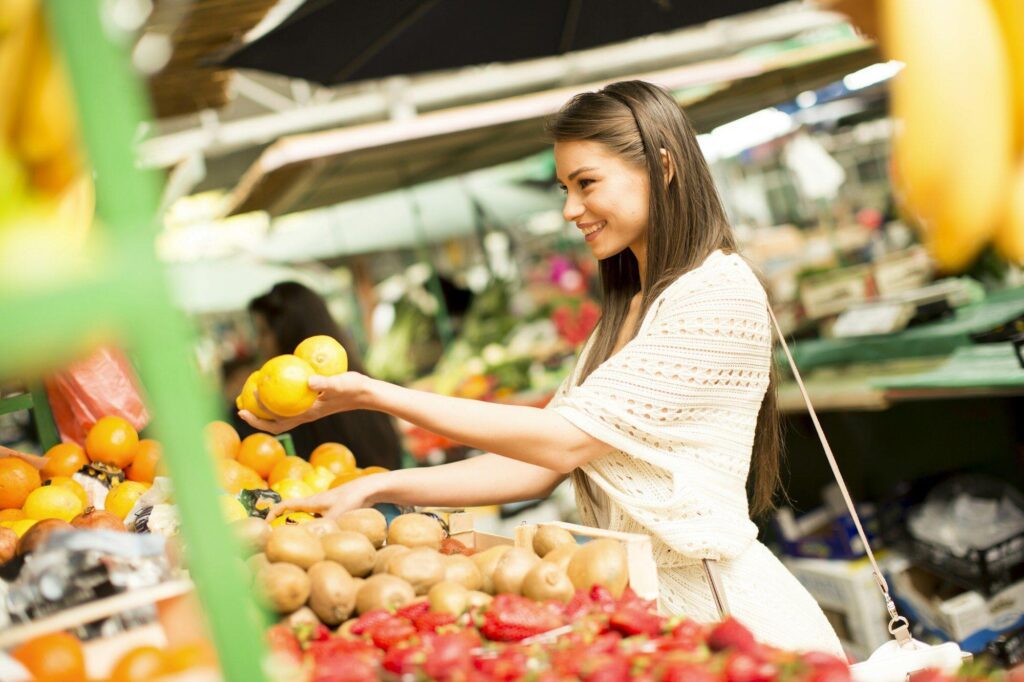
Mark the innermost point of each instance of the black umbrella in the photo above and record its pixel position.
(338, 41)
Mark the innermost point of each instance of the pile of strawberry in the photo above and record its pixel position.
(596, 638)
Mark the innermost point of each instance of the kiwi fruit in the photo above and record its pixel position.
(332, 593)
(252, 533)
(294, 545)
(303, 616)
(321, 527)
(421, 567)
(548, 538)
(512, 568)
(562, 555)
(461, 569)
(38, 534)
(352, 550)
(256, 563)
(476, 599)
(416, 530)
(383, 591)
(369, 522)
(547, 581)
(385, 555)
(600, 562)
(486, 561)
(8, 544)
(285, 586)
(448, 597)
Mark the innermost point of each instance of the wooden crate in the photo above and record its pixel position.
(643, 572)
(460, 527)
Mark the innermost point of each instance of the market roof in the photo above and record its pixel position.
(310, 171)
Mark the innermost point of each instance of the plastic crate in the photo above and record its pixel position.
(986, 570)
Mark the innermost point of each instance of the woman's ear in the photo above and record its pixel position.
(666, 163)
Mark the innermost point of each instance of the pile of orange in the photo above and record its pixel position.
(280, 388)
(58, 656)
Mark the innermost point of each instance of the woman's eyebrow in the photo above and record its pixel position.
(576, 172)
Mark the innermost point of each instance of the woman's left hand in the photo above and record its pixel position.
(339, 393)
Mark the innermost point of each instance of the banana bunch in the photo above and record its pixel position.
(46, 191)
(958, 153)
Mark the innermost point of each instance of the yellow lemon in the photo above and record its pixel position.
(292, 519)
(343, 478)
(20, 527)
(290, 489)
(122, 498)
(72, 485)
(232, 509)
(247, 399)
(324, 354)
(283, 385)
(370, 471)
(319, 479)
(52, 502)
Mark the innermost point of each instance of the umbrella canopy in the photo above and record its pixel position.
(338, 41)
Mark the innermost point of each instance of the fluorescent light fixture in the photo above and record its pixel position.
(870, 75)
(757, 128)
(807, 99)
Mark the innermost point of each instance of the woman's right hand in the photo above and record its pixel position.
(331, 503)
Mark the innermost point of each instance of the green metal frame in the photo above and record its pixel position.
(130, 301)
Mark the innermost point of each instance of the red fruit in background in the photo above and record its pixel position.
(452, 546)
(414, 610)
(509, 665)
(636, 619)
(346, 668)
(688, 635)
(578, 606)
(602, 599)
(432, 620)
(368, 620)
(404, 659)
(742, 667)
(730, 634)
(606, 668)
(282, 640)
(825, 667)
(511, 618)
(930, 675)
(388, 633)
(687, 672)
(450, 656)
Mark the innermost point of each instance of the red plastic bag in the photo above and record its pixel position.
(101, 385)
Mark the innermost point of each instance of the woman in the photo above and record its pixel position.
(672, 401)
(291, 312)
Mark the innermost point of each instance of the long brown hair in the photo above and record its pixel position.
(686, 223)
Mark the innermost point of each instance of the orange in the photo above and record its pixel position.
(11, 515)
(289, 467)
(147, 461)
(369, 471)
(334, 456)
(64, 459)
(235, 477)
(53, 502)
(191, 655)
(345, 478)
(283, 386)
(72, 485)
(123, 496)
(261, 452)
(112, 441)
(290, 489)
(324, 354)
(17, 480)
(20, 527)
(53, 658)
(141, 664)
(249, 400)
(222, 439)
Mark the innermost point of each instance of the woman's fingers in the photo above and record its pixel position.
(310, 504)
(276, 426)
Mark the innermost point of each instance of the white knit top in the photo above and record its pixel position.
(679, 405)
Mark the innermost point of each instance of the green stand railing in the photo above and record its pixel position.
(129, 300)
(38, 405)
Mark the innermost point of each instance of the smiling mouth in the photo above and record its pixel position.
(590, 233)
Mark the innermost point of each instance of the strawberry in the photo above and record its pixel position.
(432, 620)
(404, 658)
(578, 606)
(282, 640)
(450, 656)
(929, 675)
(678, 671)
(825, 667)
(511, 618)
(344, 659)
(414, 610)
(348, 668)
(742, 667)
(509, 665)
(602, 599)
(633, 619)
(368, 620)
(388, 633)
(688, 635)
(606, 668)
(730, 634)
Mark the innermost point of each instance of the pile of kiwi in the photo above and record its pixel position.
(339, 569)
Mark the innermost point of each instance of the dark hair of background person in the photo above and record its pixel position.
(687, 222)
(294, 312)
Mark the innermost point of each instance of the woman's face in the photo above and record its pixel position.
(606, 196)
(265, 341)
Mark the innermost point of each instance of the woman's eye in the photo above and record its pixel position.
(584, 183)
(564, 189)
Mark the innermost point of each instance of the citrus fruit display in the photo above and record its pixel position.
(369, 471)
(139, 665)
(49, 658)
(122, 498)
(261, 452)
(72, 485)
(249, 400)
(11, 515)
(235, 477)
(283, 386)
(63, 459)
(232, 509)
(21, 526)
(147, 462)
(292, 519)
(17, 480)
(324, 354)
(319, 479)
(221, 439)
(112, 440)
(345, 477)
(333, 456)
(53, 502)
(291, 489)
(290, 467)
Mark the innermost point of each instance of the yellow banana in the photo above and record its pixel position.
(954, 114)
(1009, 237)
(1011, 20)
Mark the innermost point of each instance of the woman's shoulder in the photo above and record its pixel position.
(720, 275)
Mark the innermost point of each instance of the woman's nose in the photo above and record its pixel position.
(573, 209)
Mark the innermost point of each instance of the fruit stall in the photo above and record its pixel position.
(142, 544)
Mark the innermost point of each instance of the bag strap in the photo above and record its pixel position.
(717, 590)
(899, 627)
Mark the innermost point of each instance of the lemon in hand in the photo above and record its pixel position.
(247, 399)
(324, 354)
(283, 385)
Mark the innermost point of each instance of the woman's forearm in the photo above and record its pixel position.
(484, 480)
(528, 434)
